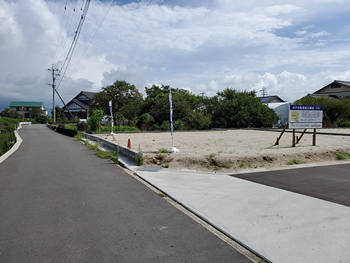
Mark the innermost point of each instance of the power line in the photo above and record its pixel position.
(59, 35)
(75, 40)
(67, 28)
(91, 39)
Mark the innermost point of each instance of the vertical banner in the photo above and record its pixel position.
(110, 110)
(171, 112)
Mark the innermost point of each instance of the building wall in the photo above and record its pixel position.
(26, 110)
(340, 90)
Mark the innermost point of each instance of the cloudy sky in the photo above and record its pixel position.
(289, 47)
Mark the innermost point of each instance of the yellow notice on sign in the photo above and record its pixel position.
(294, 116)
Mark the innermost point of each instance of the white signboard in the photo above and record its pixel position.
(305, 117)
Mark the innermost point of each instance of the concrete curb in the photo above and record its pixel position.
(13, 149)
(127, 152)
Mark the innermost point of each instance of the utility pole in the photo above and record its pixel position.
(264, 91)
(202, 94)
(53, 91)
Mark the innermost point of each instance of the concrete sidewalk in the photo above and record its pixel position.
(279, 225)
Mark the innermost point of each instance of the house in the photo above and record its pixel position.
(79, 106)
(271, 99)
(24, 107)
(338, 89)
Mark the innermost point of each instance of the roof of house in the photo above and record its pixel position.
(88, 94)
(81, 103)
(268, 99)
(26, 104)
(341, 82)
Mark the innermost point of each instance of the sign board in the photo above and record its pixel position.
(305, 117)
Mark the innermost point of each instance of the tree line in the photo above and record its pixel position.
(227, 109)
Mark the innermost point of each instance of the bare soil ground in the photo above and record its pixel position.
(232, 150)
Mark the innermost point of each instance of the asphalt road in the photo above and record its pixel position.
(60, 203)
(329, 183)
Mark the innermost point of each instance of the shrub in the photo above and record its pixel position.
(7, 140)
(82, 126)
(343, 123)
(294, 161)
(95, 121)
(340, 156)
(139, 157)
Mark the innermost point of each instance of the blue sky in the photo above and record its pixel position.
(291, 48)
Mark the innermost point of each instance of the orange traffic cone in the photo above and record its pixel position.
(129, 143)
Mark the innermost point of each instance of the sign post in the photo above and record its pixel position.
(305, 117)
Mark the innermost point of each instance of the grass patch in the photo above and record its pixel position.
(163, 150)
(104, 154)
(93, 146)
(294, 161)
(341, 156)
(226, 165)
(212, 155)
(114, 156)
(139, 157)
(166, 165)
(79, 136)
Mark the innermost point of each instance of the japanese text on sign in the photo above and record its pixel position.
(305, 117)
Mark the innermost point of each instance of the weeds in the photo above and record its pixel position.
(79, 136)
(113, 156)
(339, 156)
(161, 195)
(163, 150)
(294, 161)
(139, 157)
(166, 165)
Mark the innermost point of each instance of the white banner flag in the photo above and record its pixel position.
(110, 110)
(171, 113)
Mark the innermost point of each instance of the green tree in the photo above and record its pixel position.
(60, 116)
(95, 120)
(146, 119)
(157, 104)
(118, 117)
(334, 110)
(234, 109)
(10, 114)
(123, 96)
(200, 120)
(35, 112)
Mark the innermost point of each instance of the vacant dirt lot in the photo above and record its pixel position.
(232, 150)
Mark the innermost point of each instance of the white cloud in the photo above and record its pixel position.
(199, 46)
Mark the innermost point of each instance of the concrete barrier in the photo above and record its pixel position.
(127, 152)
